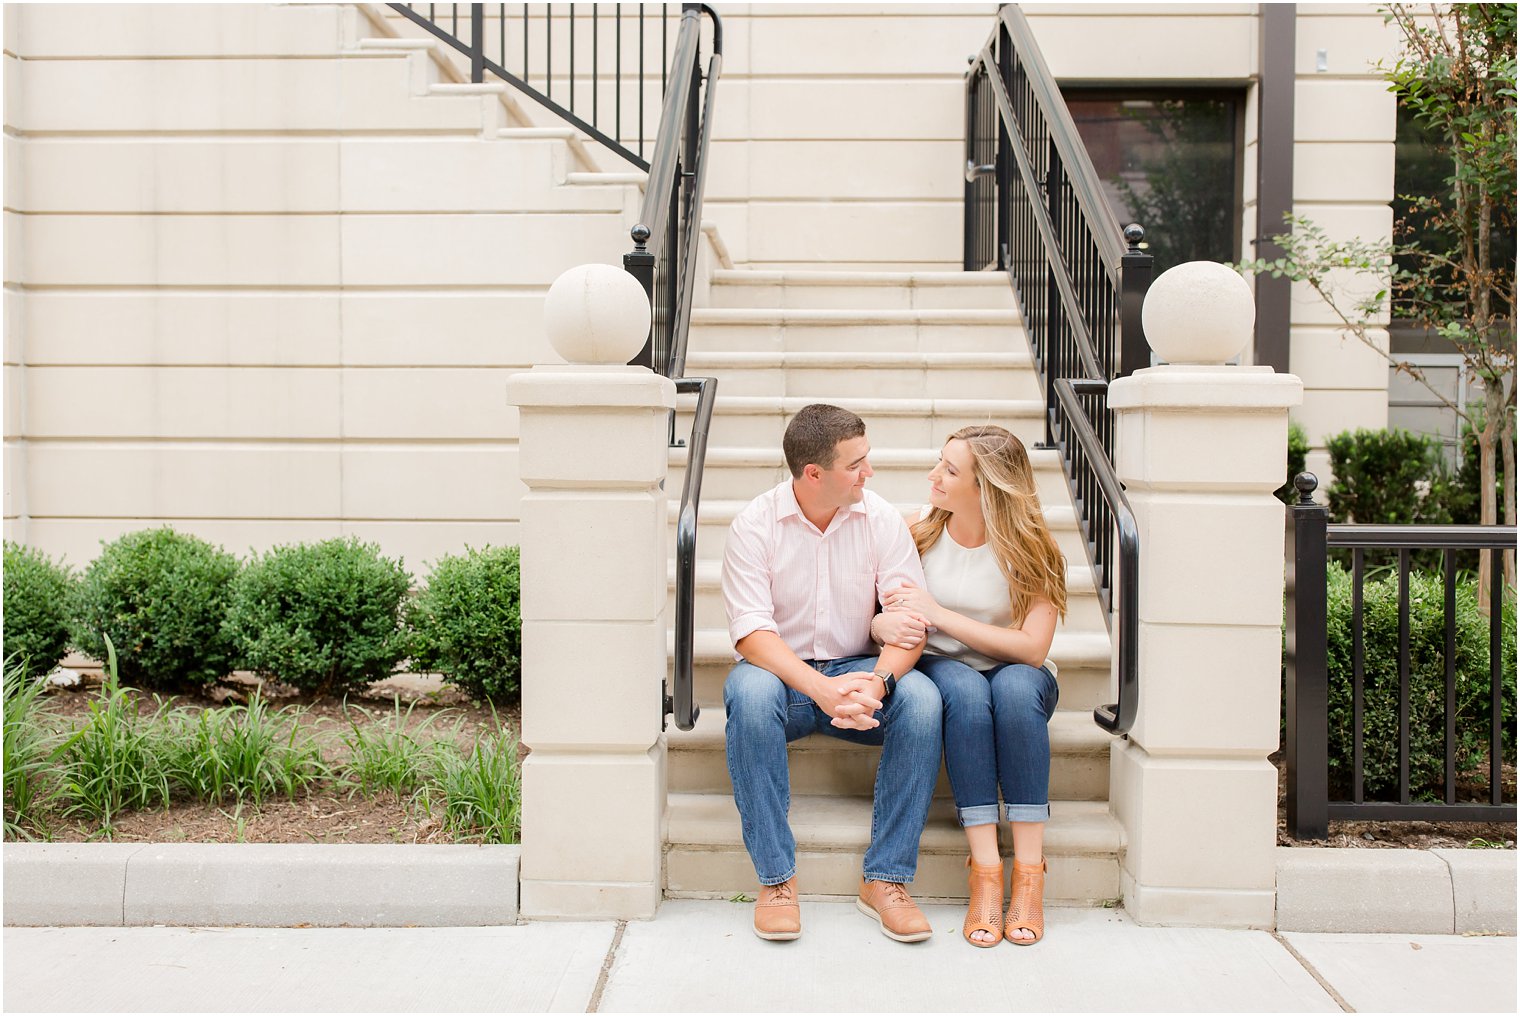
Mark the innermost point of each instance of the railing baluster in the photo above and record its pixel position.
(1404, 676)
(549, 51)
(1449, 567)
(640, 92)
(1358, 673)
(1496, 666)
(477, 43)
(572, 58)
(526, 34)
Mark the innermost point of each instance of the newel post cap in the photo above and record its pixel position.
(597, 314)
(1199, 312)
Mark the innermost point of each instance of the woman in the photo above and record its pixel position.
(996, 587)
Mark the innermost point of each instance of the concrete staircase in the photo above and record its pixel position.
(917, 355)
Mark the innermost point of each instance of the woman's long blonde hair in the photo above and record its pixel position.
(1021, 542)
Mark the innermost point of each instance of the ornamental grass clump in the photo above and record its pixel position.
(119, 760)
(161, 598)
(1427, 685)
(31, 751)
(479, 795)
(322, 617)
(242, 753)
(38, 594)
(466, 623)
(387, 756)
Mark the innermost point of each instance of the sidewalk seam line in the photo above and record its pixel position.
(1318, 977)
(595, 1004)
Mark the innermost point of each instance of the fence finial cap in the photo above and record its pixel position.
(597, 314)
(1199, 312)
(1305, 484)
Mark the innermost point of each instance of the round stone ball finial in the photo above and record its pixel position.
(597, 314)
(1199, 312)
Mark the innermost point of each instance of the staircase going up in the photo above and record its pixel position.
(917, 355)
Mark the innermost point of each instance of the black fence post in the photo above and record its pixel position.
(1307, 748)
(639, 263)
(1135, 270)
(477, 43)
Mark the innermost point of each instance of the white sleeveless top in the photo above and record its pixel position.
(968, 581)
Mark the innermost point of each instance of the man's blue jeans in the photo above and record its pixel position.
(764, 715)
(996, 736)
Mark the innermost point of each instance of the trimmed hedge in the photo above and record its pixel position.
(466, 624)
(1427, 684)
(37, 600)
(323, 617)
(162, 597)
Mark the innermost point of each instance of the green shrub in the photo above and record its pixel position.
(466, 624)
(1298, 454)
(1387, 477)
(162, 598)
(38, 594)
(1427, 685)
(323, 617)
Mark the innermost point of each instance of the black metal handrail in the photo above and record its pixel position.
(1034, 208)
(530, 30)
(1307, 742)
(665, 260)
(1098, 494)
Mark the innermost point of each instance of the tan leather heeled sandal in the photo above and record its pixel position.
(1026, 903)
(985, 911)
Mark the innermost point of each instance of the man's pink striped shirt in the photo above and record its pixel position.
(818, 591)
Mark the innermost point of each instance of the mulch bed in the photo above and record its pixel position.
(1400, 835)
(329, 814)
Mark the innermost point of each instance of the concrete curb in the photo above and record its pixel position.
(1433, 892)
(263, 885)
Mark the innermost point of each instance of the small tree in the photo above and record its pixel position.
(1457, 74)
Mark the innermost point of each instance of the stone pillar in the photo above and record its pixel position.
(593, 452)
(1201, 447)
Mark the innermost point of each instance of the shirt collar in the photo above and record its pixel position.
(788, 506)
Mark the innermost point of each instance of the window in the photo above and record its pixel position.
(1171, 162)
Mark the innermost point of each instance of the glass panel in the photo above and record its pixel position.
(1169, 161)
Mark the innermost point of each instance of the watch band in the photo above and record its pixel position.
(888, 680)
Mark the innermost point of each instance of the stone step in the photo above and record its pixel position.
(827, 374)
(901, 474)
(744, 329)
(1084, 611)
(715, 515)
(1083, 659)
(819, 764)
(705, 855)
(749, 420)
(876, 290)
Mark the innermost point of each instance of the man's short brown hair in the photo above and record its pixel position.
(814, 435)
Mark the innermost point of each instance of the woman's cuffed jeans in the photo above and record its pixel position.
(764, 715)
(996, 736)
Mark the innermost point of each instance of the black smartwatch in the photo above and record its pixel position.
(889, 682)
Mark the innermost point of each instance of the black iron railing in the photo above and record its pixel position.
(1034, 208)
(664, 260)
(1309, 807)
(595, 65)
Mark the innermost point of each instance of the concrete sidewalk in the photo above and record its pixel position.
(700, 956)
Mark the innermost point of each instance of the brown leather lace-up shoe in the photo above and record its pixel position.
(894, 910)
(777, 916)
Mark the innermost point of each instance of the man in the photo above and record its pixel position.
(803, 570)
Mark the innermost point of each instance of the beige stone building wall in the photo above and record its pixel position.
(267, 284)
